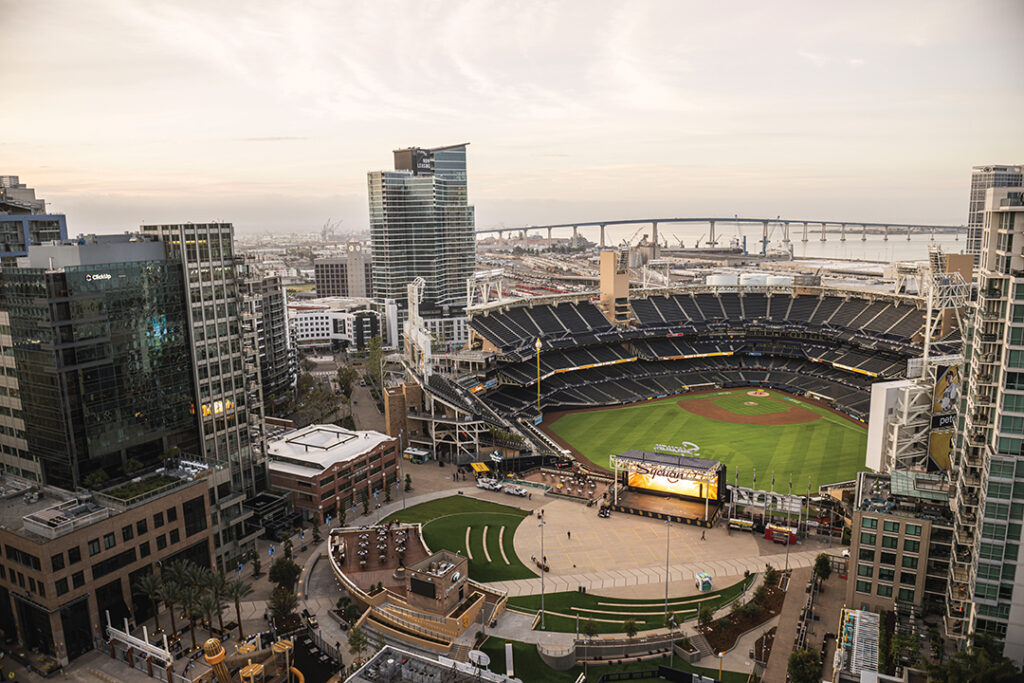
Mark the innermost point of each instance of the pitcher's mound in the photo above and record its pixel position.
(757, 392)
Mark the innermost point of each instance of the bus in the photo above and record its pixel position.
(416, 455)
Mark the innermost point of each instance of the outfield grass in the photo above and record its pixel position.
(826, 450)
(444, 526)
(531, 668)
(610, 613)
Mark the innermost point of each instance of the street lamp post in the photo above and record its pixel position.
(537, 346)
(542, 525)
(721, 658)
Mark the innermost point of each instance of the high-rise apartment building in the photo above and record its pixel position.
(421, 225)
(278, 365)
(16, 197)
(100, 342)
(986, 583)
(221, 291)
(982, 178)
(350, 275)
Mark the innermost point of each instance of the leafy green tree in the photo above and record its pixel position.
(282, 604)
(152, 587)
(131, 466)
(289, 547)
(237, 590)
(375, 359)
(589, 628)
(804, 666)
(256, 564)
(346, 378)
(316, 533)
(761, 594)
(408, 482)
(629, 627)
(983, 662)
(284, 573)
(823, 566)
(704, 617)
(357, 642)
(771, 576)
(96, 479)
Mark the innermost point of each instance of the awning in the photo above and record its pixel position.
(479, 467)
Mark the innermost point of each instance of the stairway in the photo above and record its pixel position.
(700, 642)
(460, 653)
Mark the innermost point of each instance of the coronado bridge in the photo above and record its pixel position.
(806, 229)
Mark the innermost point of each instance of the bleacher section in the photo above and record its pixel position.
(827, 342)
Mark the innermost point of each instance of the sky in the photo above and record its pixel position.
(269, 115)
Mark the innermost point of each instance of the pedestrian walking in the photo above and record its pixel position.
(568, 535)
(702, 535)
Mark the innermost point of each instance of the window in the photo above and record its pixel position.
(886, 574)
(74, 555)
(175, 536)
(57, 562)
(906, 595)
(885, 591)
(888, 558)
(109, 541)
(913, 530)
(141, 527)
(866, 538)
(194, 513)
(910, 562)
(161, 542)
(112, 564)
(78, 579)
(863, 586)
(172, 514)
(911, 546)
(62, 586)
(890, 541)
(158, 520)
(126, 533)
(144, 549)
(891, 526)
(94, 547)
(865, 570)
(867, 555)
(908, 578)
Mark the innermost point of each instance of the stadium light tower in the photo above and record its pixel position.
(542, 524)
(537, 346)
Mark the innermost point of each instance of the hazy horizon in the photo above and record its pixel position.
(120, 113)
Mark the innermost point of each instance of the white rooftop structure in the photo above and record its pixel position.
(318, 447)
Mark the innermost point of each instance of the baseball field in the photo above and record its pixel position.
(747, 429)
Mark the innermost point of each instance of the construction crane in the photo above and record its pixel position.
(329, 228)
(628, 242)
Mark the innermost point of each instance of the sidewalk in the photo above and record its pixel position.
(788, 618)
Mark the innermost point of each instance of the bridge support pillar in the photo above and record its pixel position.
(602, 235)
(549, 239)
(764, 238)
(575, 234)
(885, 234)
(785, 233)
(805, 232)
(654, 237)
(863, 233)
(933, 234)
(908, 233)
(823, 226)
(842, 232)
(711, 236)
(525, 245)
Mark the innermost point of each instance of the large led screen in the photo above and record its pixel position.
(678, 487)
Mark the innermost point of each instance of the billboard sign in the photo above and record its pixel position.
(946, 398)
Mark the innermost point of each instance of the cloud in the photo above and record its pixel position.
(815, 59)
(856, 62)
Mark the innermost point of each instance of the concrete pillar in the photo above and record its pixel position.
(602, 235)
(549, 238)
(885, 235)
(842, 232)
(805, 232)
(908, 233)
(575, 233)
(711, 236)
(823, 225)
(863, 233)
(785, 232)
(654, 236)
(524, 239)
(764, 238)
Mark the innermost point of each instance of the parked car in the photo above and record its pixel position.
(515, 490)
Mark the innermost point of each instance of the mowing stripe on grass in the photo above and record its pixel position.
(469, 552)
(501, 544)
(486, 553)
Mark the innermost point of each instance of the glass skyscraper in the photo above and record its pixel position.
(421, 225)
(100, 342)
(982, 178)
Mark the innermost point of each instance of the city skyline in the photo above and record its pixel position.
(122, 114)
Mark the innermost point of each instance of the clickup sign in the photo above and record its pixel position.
(90, 277)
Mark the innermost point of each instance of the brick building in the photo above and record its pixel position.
(67, 561)
(327, 468)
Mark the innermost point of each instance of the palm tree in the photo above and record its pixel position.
(173, 577)
(236, 590)
(152, 587)
(189, 600)
(217, 582)
(206, 605)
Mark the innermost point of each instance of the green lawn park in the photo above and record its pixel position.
(610, 613)
(444, 526)
(826, 450)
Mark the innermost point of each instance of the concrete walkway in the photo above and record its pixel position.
(778, 662)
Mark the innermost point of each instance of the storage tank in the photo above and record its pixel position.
(722, 279)
(753, 279)
(785, 280)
